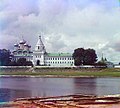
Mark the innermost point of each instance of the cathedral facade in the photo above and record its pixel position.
(40, 57)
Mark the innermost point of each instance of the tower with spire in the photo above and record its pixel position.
(39, 53)
(103, 60)
(40, 46)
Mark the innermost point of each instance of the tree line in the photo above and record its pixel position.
(6, 59)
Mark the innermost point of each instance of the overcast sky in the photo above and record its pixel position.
(64, 25)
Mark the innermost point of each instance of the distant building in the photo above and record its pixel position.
(108, 63)
(40, 57)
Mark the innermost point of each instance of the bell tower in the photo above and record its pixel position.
(39, 53)
(40, 46)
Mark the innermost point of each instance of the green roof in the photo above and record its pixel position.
(23, 55)
(59, 54)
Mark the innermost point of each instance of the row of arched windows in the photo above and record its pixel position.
(59, 62)
(60, 58)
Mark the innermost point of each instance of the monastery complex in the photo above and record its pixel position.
(40, 57)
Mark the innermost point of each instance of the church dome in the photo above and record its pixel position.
(22, 42)
(15, 45)
(29, 46)
(25, 44)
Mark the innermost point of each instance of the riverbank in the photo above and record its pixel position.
(67, 101)
(61, 72)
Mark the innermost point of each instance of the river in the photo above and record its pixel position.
(16, 87)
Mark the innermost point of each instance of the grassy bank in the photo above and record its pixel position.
(67, 72)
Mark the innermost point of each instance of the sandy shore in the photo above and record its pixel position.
(68, 101)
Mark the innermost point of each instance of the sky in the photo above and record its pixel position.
(64, 25)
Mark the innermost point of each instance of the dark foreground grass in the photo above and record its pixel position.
(73, 73)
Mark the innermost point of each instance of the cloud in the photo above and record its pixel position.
(65, 24)
(115, 43)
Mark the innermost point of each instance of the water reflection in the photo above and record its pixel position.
(11, 88)
(85, 85)
(11, 94)
(51, 86)
(106, 86)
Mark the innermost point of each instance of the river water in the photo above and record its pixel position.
(16, 87)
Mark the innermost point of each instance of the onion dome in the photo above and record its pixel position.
(29, 46)
(25, 44)
(22, 42)
(15, 45)
(19, 46)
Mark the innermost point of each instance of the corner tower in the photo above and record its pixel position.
(39, 53)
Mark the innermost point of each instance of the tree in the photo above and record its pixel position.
(5, 57)
(29, 63)
(90, 57)
(101, 64)
(78, 56)
(21, 62)
(13, 63)
(84, 56)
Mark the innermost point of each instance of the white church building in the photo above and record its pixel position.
(40, 57)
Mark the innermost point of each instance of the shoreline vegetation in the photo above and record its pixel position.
(60, 72)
